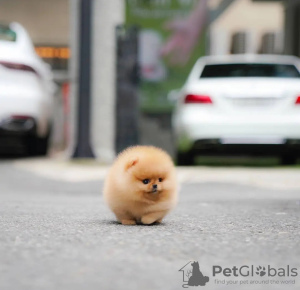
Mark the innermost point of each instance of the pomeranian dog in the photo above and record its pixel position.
(141, 186)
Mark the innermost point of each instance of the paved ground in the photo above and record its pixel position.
(56, 233)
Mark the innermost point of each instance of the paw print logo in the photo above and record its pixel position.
(261, 271)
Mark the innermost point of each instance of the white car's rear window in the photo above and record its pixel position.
(7, 34)
(250, 70)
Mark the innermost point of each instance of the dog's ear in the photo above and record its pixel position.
(131, 163)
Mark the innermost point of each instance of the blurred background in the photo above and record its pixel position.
(89, 78)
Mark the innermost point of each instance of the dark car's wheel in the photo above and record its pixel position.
(185, 158)
(31, 145)
(43, 145)
(288, 159)
(38, 146)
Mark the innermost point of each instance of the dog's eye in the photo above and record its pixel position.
(160, 179)
(146, 181)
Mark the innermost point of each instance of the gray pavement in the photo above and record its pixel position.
(56, 234)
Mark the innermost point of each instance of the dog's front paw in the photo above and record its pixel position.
(148, 220)
(128, 222)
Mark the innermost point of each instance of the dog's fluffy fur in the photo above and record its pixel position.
(141, 185)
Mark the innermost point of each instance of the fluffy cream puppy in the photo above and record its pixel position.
(141, 185)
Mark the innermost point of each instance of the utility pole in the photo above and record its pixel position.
(82, 146)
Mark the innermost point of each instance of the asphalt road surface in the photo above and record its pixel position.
(56, 232)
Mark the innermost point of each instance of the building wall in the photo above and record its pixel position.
(47, 21)
(256, 18)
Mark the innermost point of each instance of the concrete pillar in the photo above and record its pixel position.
(73, 75)
(106, 15)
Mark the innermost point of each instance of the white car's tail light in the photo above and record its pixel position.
(297, 101)
(197, 99)
(18, 66)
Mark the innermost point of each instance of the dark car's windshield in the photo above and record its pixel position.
(250, 70)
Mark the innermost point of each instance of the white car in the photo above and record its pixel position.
(26, 93)
(239, 104)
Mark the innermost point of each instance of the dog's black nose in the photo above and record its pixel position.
(154, 186)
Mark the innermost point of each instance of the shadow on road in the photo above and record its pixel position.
(224, 161)
(11, 156)
(116, 223)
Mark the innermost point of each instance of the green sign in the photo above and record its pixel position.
(7, 34)
(171, 39)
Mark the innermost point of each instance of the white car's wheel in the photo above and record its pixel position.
(288, 159)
